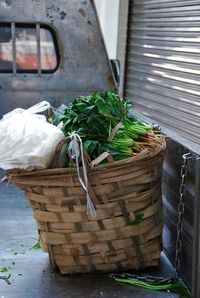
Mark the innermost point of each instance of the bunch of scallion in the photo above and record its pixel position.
(102, 121)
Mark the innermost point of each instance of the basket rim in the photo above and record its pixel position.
(144, 155)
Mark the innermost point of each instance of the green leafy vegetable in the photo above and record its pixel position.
(102, 121)
(167, 284)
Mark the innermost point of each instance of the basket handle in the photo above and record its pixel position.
(55, 161)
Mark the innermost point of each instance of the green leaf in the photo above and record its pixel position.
(67, 124)
(102, 107)
(89, 110)
(167, 286)
(90, 146)
(36, 246)
(116, 149)
(57, 119)
(138, 218)
(3, 269)
(80, 106)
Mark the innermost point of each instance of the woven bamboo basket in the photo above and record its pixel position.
(115, 239)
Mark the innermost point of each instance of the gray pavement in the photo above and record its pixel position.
(31, 275)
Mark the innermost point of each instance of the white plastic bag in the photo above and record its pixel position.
(27, 139)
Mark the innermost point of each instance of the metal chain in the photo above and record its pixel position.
(181, 209)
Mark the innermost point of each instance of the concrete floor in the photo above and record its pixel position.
(31, 275)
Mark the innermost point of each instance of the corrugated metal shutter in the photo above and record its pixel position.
(163, 63)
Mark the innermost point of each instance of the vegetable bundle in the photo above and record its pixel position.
(102, 121)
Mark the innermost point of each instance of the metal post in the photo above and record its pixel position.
(14, 47)
(38, 48)
(196, 238)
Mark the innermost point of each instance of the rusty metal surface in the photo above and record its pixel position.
(84, 65)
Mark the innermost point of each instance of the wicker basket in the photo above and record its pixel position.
(125, 234)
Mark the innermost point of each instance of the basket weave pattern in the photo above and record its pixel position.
(113, 240)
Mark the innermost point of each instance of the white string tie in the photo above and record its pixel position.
(76, 149)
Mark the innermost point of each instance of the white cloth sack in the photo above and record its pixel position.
(27, 139)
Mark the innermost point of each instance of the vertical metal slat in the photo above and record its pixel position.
(196, 240)
(13, 33)
(38, 48)
(122, 39)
